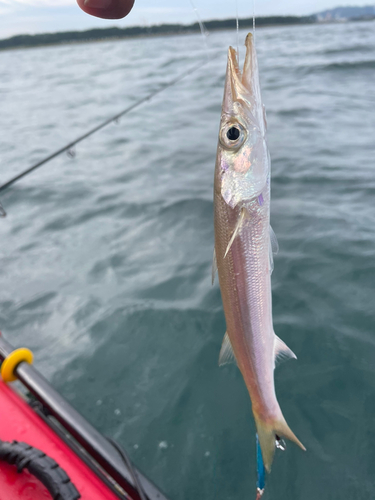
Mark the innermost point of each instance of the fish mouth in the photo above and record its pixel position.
(242, 85)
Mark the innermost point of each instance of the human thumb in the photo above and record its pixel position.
(107, 9)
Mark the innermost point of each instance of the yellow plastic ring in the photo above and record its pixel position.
(11, 362)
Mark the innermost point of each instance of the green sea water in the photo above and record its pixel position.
(105, 258)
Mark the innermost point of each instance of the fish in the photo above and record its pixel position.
(244, 247)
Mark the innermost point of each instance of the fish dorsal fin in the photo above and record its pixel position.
(236, 229)
(214, 266)
(273, 248)
(226, 352)
(282, 351)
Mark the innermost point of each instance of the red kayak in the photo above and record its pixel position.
(48, 450)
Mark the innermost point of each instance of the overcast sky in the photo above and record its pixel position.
(38, 16)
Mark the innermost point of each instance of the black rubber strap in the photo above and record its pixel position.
(44, 468)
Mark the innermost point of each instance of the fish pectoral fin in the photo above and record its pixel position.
(270, 256)
(273, 248)
(226, 352)
(236, 229)
(214, 266)
(282, 351)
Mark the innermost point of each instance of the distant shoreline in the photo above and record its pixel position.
(106, 34)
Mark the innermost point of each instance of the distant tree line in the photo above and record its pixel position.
(161, 29)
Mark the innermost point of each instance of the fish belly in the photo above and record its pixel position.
(245, 283)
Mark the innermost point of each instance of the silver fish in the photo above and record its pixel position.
(243, 247)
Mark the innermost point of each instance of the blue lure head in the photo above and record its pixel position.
(261, 471)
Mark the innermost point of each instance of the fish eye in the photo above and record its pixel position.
(232, 135)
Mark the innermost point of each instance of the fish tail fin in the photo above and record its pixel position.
(267, 432)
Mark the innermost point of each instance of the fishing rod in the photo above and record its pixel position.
(2, 211)
(114, 118)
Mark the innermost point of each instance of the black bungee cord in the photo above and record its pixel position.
(124, 456)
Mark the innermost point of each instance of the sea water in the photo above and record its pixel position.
(105, 258)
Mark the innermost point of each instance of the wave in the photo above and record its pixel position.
(341, 66)
(348, 50)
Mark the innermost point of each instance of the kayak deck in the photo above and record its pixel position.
(19, 422)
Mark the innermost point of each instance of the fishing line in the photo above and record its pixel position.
(204, 30)
(238, 34)
(254, 20)
(70, 147)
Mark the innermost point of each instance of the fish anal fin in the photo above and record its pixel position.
(282, 351)
(236, 229)
(226, 352)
